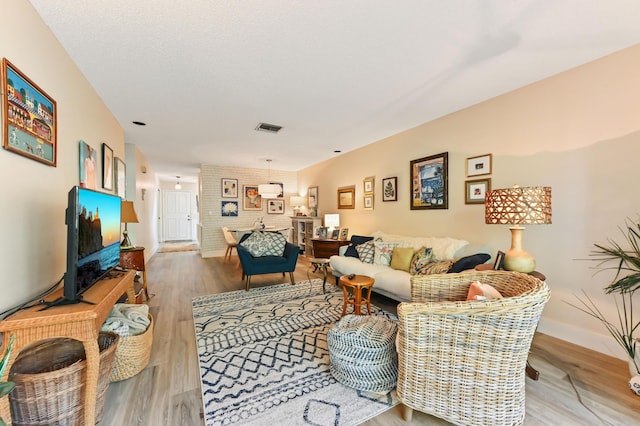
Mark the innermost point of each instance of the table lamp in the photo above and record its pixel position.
(332, 221)
(127, 215)
(297, 202)
(518, 206)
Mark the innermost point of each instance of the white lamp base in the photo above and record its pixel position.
(516, 259)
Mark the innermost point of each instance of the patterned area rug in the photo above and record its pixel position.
(264, 359)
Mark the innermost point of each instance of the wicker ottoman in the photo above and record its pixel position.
(362, 353)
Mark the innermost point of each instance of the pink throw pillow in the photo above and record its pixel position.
(479, 291)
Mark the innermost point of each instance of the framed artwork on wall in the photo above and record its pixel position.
(344, 234)
(29, 124)
(107, 167)
(229, 208)
(275, 206)
(281, 185)
(429, 188)
(88, 166)
(121, 178)
(368, 185)
(251, 199)
(368, 201)
(390, 189)
(346, 197)
(476, 190)
(229, 188)
(312, 200)
(478, 166)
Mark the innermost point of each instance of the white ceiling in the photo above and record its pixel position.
(336, 74)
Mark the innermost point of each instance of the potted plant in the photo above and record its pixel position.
(626, 264)
(6, 387)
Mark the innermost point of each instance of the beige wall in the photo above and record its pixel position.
(578, 132)
(34, 196)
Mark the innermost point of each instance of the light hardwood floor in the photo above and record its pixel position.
(576, 387)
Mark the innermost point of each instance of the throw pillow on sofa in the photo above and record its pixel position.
(366, 251)
(383, 252)
(356, 240)
(469, 262)
(401, 258)
(420, 260)
(437, 267)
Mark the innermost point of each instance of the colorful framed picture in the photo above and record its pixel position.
(368, 201)
(29, 124)
(275, 206)
(390, 189)
(229, 208)
(88, 166)
(429, 189)
(250, 197)
(368, 185)
(347, 197)
(121, 178)
(107, 167)
(478, 166)
(476, 190)
(229, 188)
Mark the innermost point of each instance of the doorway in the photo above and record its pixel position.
(177, 215)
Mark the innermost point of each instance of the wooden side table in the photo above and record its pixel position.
(133, 258)
(322, 264)
(323, 248)
(356, 284)
(80, 321)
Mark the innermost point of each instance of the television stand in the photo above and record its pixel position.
(79, 321)
(61, 301)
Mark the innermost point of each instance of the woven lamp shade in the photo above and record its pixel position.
(519, 206)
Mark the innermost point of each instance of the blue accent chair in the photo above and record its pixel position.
(267, 264)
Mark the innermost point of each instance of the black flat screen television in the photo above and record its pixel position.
(93, 240)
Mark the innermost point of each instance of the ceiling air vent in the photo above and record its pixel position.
(266, 127)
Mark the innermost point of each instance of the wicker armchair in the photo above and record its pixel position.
(465, 361)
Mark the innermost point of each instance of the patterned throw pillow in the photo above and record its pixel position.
(437, 267)
(382, 252)
(420, 260)
(260, 244)
(366, 251)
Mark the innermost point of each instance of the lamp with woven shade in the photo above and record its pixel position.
(127, 215)
(518, 206)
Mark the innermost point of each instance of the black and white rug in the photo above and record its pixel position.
(264, 359)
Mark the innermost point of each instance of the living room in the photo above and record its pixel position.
(577, 132)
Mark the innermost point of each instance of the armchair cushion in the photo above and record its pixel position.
(260, 244)
(479, 291)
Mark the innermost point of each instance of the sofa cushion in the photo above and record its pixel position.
(366, 251)
(260, 244)
(401, 258)
(383, 251)
(341, 265)
(436, 267)
(420, 259)
(469, 262)
(355, 241)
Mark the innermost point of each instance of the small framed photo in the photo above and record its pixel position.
(229, 208)
(368, 201)
(476, 190)
(389, 189)
(334, 234)
(344, 234)
(107, 167)
(275, 206)
(499, 263)
(347, 197)
(229, 188)
(322, 232)
(478, 166)
(368, 185)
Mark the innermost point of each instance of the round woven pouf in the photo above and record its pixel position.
(362, 353)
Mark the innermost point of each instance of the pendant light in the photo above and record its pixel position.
(269, 190)
(178, 186)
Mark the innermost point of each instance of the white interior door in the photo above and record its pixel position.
(177, 216)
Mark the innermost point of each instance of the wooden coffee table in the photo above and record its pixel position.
(356, 285)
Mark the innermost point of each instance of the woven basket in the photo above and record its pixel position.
(50, 381)
(132, 354)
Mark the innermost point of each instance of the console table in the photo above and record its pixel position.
(325, 248)
(80, 321)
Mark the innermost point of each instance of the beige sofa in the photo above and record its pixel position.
(395, 283)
